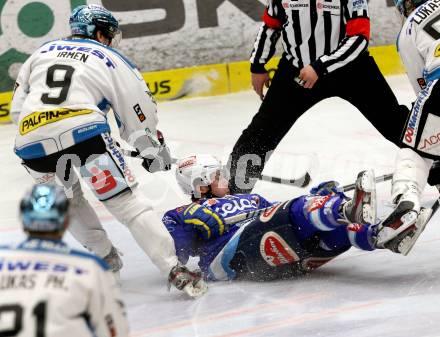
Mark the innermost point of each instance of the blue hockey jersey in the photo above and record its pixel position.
(186, 241)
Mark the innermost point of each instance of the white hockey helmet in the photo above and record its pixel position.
(196, 170)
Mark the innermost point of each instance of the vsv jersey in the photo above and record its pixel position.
(419, 45)
(48, 289)
(188, 244)
(64, 91)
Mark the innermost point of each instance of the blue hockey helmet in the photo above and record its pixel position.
(405, 7)
(44, 209)
(85, 20)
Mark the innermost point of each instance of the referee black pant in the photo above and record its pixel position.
(360, 82)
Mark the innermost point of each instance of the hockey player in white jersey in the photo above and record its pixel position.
(49, 289)
(419, 48)
(62, 96)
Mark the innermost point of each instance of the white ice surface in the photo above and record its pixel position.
(358, 294)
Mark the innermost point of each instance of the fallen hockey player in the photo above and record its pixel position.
(289, 239)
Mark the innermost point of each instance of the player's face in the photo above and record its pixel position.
(219, 185)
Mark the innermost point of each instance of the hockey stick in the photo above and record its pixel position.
(302, 181)
(269, 210)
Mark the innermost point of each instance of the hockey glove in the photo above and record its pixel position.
(326, 188)
(161, 161)
(191, 282)
(204, 221)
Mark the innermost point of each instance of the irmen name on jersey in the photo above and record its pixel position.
(75, 55)
(424, 11)
(67, 50)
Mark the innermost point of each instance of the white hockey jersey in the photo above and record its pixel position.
(48, 289)
(64, 91)
(419, 44)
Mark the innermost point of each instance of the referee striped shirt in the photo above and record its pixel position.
(327, 34)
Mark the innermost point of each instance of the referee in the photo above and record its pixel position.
(325, 55)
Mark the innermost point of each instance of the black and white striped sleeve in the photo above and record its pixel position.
(267, 37)
(355, 42)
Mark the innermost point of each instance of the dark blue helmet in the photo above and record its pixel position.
(85, 20)
(405, 7)
(44, 209)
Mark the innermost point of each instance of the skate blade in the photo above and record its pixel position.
(406, 245)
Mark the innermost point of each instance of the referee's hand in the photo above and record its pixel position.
(258, 83)
(308, 77)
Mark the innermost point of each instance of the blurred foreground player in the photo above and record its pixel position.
(62, 97)
(49, 289)
(289, 239)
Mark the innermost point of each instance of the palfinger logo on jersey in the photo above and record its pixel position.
(102, 181)
(275, 250)
(41, 118)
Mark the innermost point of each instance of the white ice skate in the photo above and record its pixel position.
(404, 242)
(115, 263)
(362, 208)
(402, 221)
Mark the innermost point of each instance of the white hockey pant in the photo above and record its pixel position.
(410, 174)
(146, 227)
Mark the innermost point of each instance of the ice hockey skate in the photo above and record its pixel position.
(401, 228)
(404, 242)
(115, 263)
(362, 208)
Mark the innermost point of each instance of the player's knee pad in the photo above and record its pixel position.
(108, 174)
(410, 169)
(323, 211)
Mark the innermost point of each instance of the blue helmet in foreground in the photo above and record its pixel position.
(44, 209)
(405, 7)
(85, 20)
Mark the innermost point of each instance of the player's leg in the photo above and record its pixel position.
(84, 226)
(338, 223)
(404, 224)
(110, 179)
(283, 104)
(370, 93)
(325, 213)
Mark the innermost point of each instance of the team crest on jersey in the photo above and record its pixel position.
(275, 250)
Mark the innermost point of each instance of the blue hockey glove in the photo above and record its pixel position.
(326, 188)
(206, 222)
